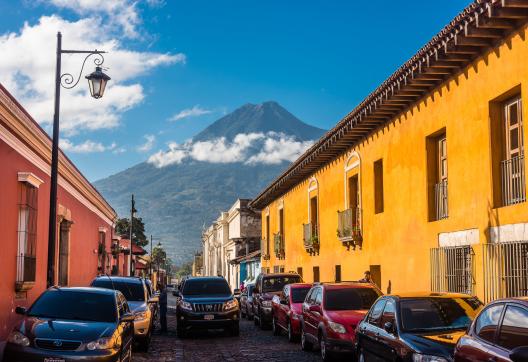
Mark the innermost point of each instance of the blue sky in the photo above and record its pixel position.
(316, 58)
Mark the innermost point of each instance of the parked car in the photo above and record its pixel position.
(206, 303)
(73, 324)
(154, 307)
(499, 333)
(415, 327)
(246, 302)
(330, 314)
(266, 286)
(136, 293)
(287, 310)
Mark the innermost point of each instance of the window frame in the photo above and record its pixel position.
(499, 327)
(519, 126)
(383, 301)
(27, 232)
(499, 323)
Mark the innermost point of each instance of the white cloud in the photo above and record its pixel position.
(190, 112)
(150, 140)
(27, 70)
(248, 148)
(87, 146)
(117, 13)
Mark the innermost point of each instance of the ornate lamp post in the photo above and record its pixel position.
(97, 83)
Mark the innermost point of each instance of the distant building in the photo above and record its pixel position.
(85, 222)
(197, 265)
(231, 245)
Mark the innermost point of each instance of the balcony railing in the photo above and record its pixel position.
(349, 227)
(265, 249)
(441, 200)
(311, 238)
(513, 182)
(279, 245)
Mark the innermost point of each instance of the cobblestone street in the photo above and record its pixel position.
(253, 344)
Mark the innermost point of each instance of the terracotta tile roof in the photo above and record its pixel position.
(479, 27)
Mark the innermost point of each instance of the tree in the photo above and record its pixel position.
(159, 256)
(183, 270)
(122, 227)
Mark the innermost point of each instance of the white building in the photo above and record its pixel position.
(231, 245)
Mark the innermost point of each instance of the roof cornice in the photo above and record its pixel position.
(479, 27)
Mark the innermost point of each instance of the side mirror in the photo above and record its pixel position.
(154, 300)
(20, 310)
(519, 354)
(389, 327)
(127, 317)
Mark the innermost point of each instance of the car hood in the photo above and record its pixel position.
(439, 343)
(65, 329)
(347, 317)
(137, 306)
(270, 295)
(208, 299)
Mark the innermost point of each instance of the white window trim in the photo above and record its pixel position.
(30, 178)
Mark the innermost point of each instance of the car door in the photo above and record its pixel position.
(512, 333)
(369, 330)
(388, 342)
(307, 313)
(256, 295)
(314, 315)
(284, 306)
(126, 329)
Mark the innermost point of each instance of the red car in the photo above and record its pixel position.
(499, 333)
(287, 310)
(330, 314)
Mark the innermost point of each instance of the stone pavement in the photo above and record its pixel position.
(252, 345)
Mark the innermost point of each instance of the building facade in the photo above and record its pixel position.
(83, 248)
(231, 245)
(423, 184)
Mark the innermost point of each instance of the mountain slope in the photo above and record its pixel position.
(176, 201)
(265, 117)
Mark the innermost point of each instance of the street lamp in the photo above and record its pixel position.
(97, 83)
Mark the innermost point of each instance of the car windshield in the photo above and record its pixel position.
(70, 305)
(350, 298)
(275, 284)
(298, 294)
(206, 287)
(425, 314)
(133, 291)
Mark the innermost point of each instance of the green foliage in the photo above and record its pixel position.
(138, 231)
(183, 270)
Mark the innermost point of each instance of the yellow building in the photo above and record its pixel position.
(423, 184)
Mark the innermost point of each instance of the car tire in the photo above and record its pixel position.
(262, 325)
(242, 313)
(291, 337)
(180, 331)
(249, 316)
(255, 320)
(235, 330)
(326, 355)
(361, 356)
(127, 356)
(275, 328)
(305, 345)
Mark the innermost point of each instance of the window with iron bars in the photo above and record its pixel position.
(452, 269)
(27, 234)
(505, 270)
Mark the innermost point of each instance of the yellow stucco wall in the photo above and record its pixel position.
(400, 238)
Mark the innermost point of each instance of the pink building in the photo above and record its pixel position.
(84, 224)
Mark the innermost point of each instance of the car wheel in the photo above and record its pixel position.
(255, 320)
(235, 330)
(291, 336)
(275, 328)
(242, 313)
(325, 354)
(127, 356)
(249, 315)
(305, 345)
(361, 357)
(180, 330)
(261, 321)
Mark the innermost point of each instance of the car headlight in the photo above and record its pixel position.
(337, 327)
(19, 338)
(266, 303)
(230, 304)
(185, 305)
(101, 343)
(418, 357)
(139, 316)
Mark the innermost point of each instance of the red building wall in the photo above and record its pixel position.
(88, 219)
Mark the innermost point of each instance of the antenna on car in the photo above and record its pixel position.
(111, 281)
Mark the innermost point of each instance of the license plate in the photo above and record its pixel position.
(52, 359)
(209, 317)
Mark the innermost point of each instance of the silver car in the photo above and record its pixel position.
(139, 301)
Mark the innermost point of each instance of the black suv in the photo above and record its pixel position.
(266, 287)
(206, 303)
